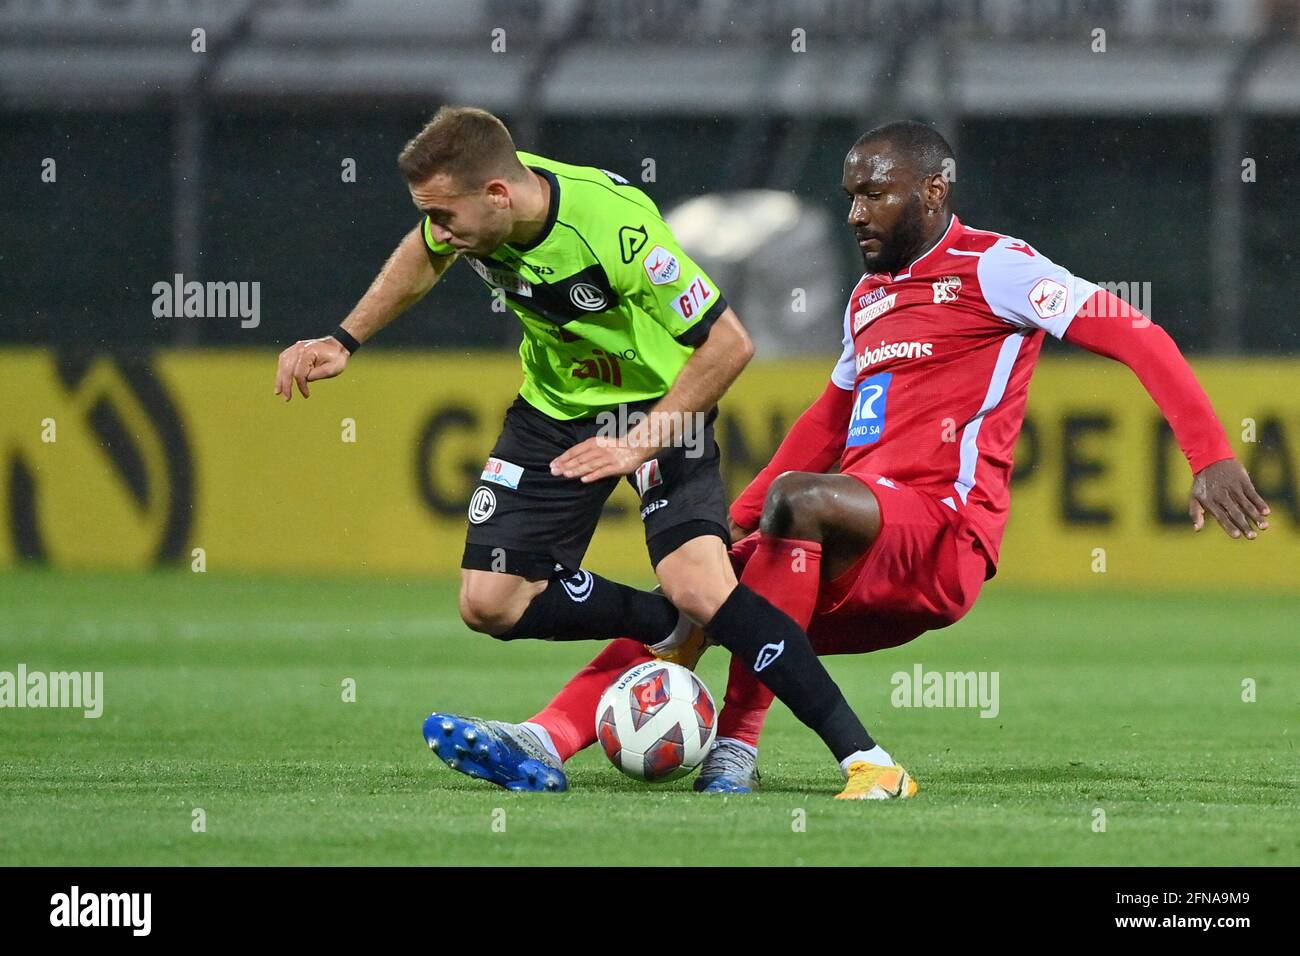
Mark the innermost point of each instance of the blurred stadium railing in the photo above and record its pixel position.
(1149, 144)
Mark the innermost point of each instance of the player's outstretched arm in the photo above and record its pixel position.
(705, 377)
(1225, 490)
(1108, 326)
(410, 272)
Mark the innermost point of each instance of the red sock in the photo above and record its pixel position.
(745, 707)
(787, 572)
(570, 717)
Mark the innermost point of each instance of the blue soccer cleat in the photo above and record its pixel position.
(730, 767)
(509, 755)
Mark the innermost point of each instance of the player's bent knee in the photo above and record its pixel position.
(694, 602)
(794, 505)
(697, 596)
(697, 578)
(491, 609)
(484, 617)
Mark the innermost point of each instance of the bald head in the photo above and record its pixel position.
(920, 146)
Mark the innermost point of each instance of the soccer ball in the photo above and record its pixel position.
(656, 722)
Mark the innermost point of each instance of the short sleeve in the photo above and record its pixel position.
(677, 293)
(1025, 288)
(845, 373)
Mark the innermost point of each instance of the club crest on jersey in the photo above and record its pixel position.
(647, 476)
(587, 297)
(482, 504)
(874, 310)
(1047, 298)
(661, 266)
(868, 421)
(946, 289)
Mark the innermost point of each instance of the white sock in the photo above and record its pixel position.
(737, 743)
(877, 755)
(674, 638)
(544, 735)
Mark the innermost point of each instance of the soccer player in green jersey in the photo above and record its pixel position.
(627, 347)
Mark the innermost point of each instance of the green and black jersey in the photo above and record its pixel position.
(611, 306)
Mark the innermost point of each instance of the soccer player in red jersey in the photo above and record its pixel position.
(922, 412)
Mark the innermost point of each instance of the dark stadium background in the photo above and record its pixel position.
(1100, 166)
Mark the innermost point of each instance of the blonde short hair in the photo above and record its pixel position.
(469, 144)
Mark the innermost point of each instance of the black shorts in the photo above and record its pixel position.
(524, 520)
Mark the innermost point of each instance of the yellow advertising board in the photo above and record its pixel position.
(132, 462)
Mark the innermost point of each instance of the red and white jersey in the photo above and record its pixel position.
(940, 357)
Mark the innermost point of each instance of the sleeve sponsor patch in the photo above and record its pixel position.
(695, 301)
(662, 266)
(1047, 298)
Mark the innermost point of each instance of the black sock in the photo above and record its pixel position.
(778, 651)
(586, 607)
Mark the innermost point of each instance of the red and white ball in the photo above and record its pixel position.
(656, 722)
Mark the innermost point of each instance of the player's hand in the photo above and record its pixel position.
(600, 457)
(737, 532)
(307, 361)
(1225, 491)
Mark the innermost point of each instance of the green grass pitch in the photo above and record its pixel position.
(225, 693)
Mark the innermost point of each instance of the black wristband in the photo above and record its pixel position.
(345, 339)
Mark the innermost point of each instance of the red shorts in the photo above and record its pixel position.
(923, 572)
